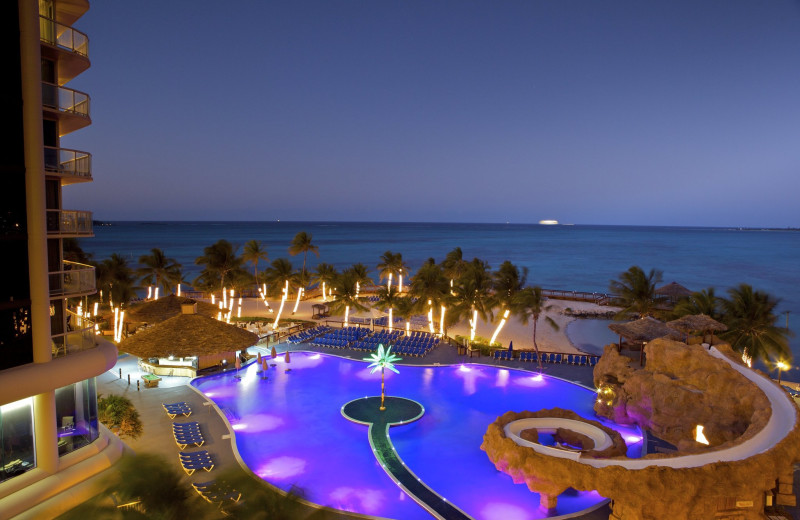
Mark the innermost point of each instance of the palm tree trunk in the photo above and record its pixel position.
(535, 346)
(383, 391)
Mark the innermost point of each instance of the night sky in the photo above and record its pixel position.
(589, 112)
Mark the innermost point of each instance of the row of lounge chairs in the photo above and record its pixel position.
(307, 334)
(192, 461)
(186, 434)
(175, 409)
(548, 357)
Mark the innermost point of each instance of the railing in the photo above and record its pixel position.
(63, 37)
(74, 279)
(69, 222)
(64, 161)
(65, 99)
(81, 337)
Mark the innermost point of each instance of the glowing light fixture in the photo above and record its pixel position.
(699, 436)
(149, 291)
(430, 316)
(408, 328)
(473, 324)
(16, 405)
(213, 299)
(346, 314)
(280, 309)
(441, 322)
(224, 298)
(389, 283)
(156, 295)
(324, 296)
(94, 310)
(179, 289)
(499, 326)
(391, 321)
(400, 282)
(297, 302)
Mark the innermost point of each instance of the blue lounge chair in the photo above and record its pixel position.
(216, 493)
(192, 465)
(175, 409)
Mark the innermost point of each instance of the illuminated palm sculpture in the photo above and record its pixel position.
(383, 359)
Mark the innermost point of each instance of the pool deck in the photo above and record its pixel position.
(157, 437)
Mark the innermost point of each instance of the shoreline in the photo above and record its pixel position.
(547, 339)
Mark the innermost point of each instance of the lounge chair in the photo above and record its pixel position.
(199, 460)
(216, 493)
(175, 409)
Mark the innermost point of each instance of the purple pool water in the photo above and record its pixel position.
(290, 431)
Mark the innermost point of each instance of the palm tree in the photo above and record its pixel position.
(383, 359)
(301, 243)
(388, 298)
(278, 274)
(528, 304)
(473, 294)
(253, 253)
(429, 287)
(506, 282)
(391, 264)
(220, 261)
(750, 317)
(699, 302)
(347, 297)
(159, 270)
(454, 265)
(636, 292)
(115, 278)
(324, 277)
(361, 272)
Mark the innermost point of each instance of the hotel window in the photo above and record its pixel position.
(17, 453)
(76, 415)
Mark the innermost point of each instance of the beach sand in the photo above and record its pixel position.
(548, 339)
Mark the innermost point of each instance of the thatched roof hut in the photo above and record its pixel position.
(642, 331)
(156, 311)
(187, 335)
(673, 291)
(697, 323)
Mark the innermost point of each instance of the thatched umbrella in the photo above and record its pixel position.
(697, 323)
(156, 311)
(642, 331)
(674, 291)
(188, 335)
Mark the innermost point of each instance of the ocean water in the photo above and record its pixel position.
(579, 257)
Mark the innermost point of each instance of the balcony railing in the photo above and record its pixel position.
(63, 37)
(65, 100)
(63, 161)
(81, 337)
(74, 279)
(69, 223)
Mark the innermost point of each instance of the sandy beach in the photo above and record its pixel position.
(547, 338)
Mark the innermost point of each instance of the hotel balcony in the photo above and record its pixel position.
(70, 165)
(79, 338)
(68, 11)
(65, 45)
(71, 107)
(63, 223)
(73, 280)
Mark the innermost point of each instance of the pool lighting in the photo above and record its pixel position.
(699, 436)
(538, 377)
(239, 426)
(499, 326)
(633, 439)
(463, 368)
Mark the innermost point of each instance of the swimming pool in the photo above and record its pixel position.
(290, 431)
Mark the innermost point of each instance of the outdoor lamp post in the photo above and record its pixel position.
(781, 367)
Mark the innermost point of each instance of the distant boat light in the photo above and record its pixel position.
(548, 222)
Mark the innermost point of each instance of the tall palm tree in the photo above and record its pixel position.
(506, 282)
(301, 243)
(277, 274)
(219, 262)
(528, 305)
(383, 359)
(636, 292)
(347, 295)
(454, 265)
(473, 294)
(159, 270)
(388, 298)
(115, 278)
(391, 265)
(700, 302)
(253, 253)
(428, 284)
(324, 276)
(752, 330)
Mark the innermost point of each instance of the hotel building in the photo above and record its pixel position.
(51, 445)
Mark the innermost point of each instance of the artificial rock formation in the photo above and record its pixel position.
(695, 386)
(680, 387)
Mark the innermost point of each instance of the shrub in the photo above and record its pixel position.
(118, 412)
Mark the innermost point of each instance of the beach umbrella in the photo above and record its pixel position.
(274, 352)
(511, 348)
(238, 362)
(286, 357)
(259, 358)
(264, 364)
